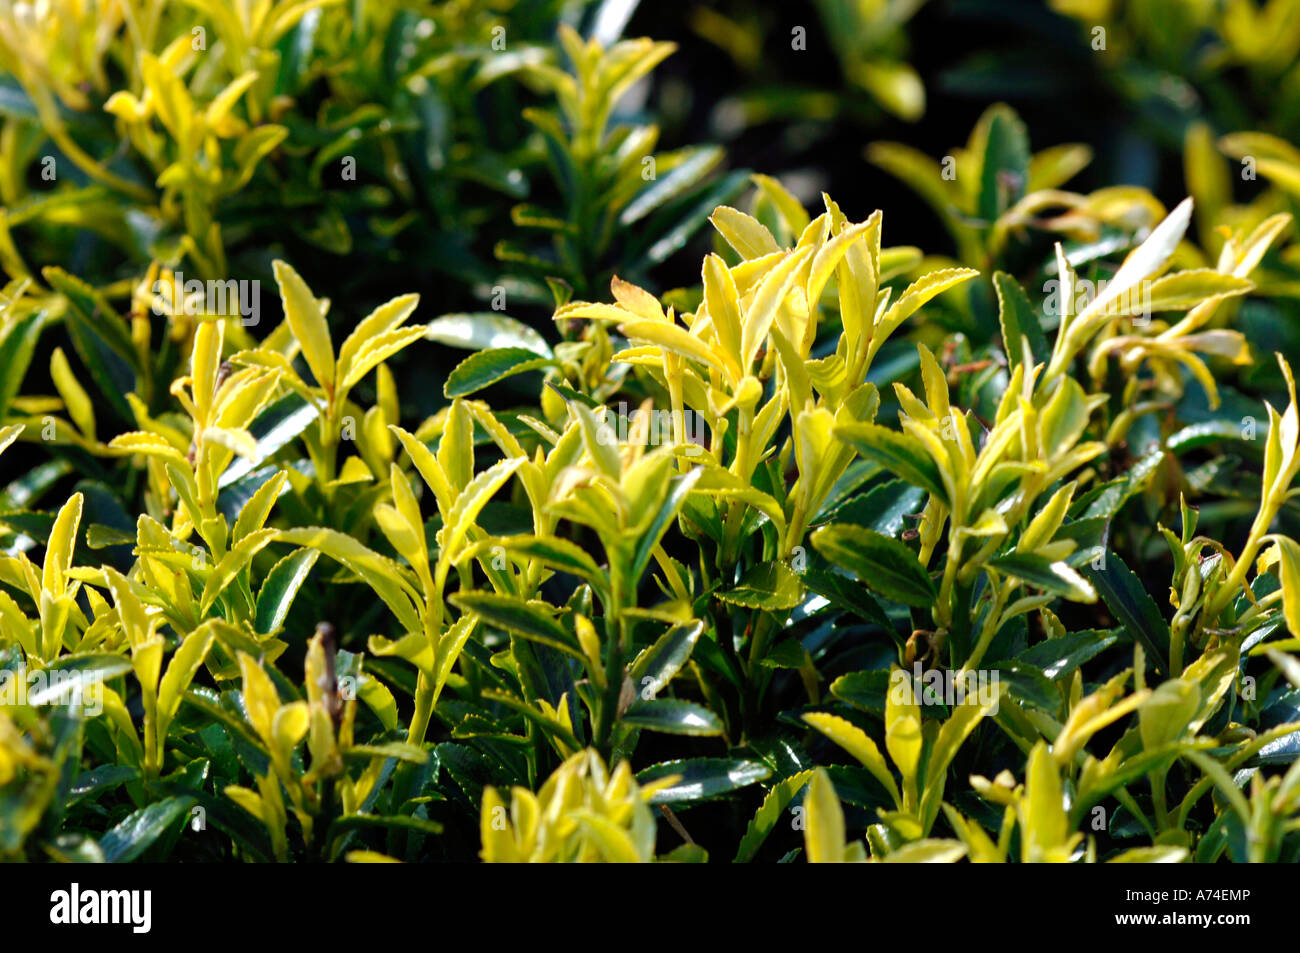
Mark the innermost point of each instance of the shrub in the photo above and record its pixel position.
(849, 552)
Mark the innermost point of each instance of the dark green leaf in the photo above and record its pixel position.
(137, 833)
(1128, 599)
(701, 779)
(280, 587)
(673, 716)
(770, 586)
(1019, 320)
(886, 565)
(487, 367)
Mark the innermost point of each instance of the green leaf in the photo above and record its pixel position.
(1051, 576)
(274, 428)
(1107, 500)
(551, 551)
(487, 367)
(1204, 433)
(672, 183)
(669, 230)
(524, 618)
(901, 454)
(702, 779)
(77, 673)
(1004, 169)
(863, 690)
(16, 349)
(884, 507)
(400, 822)
(486, 330)
(673, 716)
(770, 586)
(843, 593)
(1128, 599)
(90, 309)
(101, 339)
(886, 565)
(679, 488)
(1019, 320)
(92, 783)
(280, 588)
(1061, 656)
(665, 658)
(137, 833)
(1028, 685)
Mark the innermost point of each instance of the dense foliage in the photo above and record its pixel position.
(843, 550)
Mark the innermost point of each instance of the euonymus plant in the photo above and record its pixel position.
(846, 551)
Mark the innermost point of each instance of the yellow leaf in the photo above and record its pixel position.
(58, 551)
(354, 471)
(764, 305)
(857, 743)
(917, 294)
(148, 444)
(672, 337)
(1289, 564)
(233, 563)
(225, 100)
(468, 505)
(823, 821)
(254, 514)
(1045, 827)
(9, 434)
(385, 318)
(745, 234)
(896, 86)
(723, 303)
(250, 801)
(236, 441)
(74, 396)
(790, 207)
(636, 300)
(306, 318)
(260, 699)
(429, 468)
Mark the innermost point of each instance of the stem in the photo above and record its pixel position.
(1159, 801)
(757, 677)
(960, 629)
(1231, 764)
(1237, 578)
(1177, 641)
(741, 468)
(943, 609)
(423, 711)
(425, 689)
(614, 645)
(992, 622)
(608, 714)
